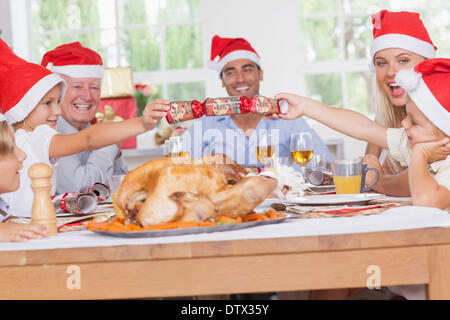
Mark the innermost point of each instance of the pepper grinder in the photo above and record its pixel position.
(42, 211)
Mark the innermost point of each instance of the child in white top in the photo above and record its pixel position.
(30, 96)
(11, 158)
(423, 143)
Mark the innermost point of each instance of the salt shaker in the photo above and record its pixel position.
(42, 211)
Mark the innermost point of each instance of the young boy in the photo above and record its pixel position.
(11, 158)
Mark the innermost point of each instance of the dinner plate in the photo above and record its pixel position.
(193, 230)
(331, 199)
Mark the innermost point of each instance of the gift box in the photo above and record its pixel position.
(117, 83)
(118, 109)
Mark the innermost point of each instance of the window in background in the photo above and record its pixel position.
(336, 36)
(160, 39)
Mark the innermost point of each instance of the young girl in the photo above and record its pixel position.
(422, 141)
(11, 158)
(29, 98)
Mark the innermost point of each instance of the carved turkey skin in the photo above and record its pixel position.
(161, 191)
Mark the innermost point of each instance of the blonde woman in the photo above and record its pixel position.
(401, 41)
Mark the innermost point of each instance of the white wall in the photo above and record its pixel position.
(261, 22)
(14, 22)
(5, 21)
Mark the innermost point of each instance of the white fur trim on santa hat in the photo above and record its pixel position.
(235, 55)
(402, 41)
(79, 71)
(2, 117)
(30, 100)
(429, 105)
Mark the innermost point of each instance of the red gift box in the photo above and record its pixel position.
(124, 108)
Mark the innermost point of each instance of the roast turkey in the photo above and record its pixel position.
(165, 190)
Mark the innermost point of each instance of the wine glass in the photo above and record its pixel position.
(302, 148)
(178, 149)
(265, 148)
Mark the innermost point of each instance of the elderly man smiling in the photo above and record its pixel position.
(82, 69)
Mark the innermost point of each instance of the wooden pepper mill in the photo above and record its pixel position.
(42, 211)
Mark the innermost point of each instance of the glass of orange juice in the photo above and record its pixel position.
(114, 184)
(349, 176)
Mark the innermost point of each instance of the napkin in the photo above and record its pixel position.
(350, 211)
(347, 209)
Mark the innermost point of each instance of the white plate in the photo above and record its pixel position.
(331, 199)
(320, 188)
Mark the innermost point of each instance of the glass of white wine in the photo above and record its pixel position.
(265, 148)
(178, 149)
(302, 147)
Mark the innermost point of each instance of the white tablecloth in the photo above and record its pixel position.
(400, 218)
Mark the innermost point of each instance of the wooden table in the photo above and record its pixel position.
(420, 256)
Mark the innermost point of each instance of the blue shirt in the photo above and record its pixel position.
(209, 135)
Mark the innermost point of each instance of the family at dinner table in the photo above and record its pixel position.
(47, 112)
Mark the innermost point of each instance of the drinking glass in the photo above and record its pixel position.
(349, 175)
(265, 148)
(319, 171)
(276, 163)
(302, 147)
(114, 182)
(319, 163)
(178, 149)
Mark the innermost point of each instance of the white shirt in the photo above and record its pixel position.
(36, 146)
(398, 146)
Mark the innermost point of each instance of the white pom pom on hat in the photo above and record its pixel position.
(408, 79)
(427, 85)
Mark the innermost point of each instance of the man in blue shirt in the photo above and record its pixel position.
(239, 68)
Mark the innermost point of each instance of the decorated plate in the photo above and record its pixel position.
(193, 230)
(333, 199)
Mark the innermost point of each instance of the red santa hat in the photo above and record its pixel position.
(224, 50)
(22, 84)
(427, 85)
(75, 61)
(402, 30)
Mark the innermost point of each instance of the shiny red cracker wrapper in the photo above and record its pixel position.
(73, 202)
(188, 110)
